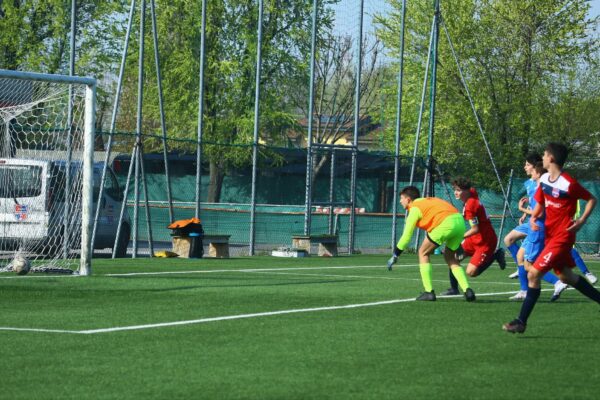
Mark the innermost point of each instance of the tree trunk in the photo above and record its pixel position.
(215, 182)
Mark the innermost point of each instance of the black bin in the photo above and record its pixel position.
(191, 228)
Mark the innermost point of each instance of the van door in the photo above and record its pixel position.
(23, 216)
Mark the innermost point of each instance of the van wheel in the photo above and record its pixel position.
(121, 250)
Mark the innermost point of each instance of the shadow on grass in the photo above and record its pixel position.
(192, 287)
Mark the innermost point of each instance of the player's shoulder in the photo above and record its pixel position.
(472, 203)
(564, 179)
(567, 177)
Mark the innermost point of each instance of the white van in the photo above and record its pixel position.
(32, 203)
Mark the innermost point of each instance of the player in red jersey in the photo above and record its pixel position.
(557, 197)
(480, 240)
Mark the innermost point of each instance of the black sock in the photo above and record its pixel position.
(453, 281)
(587, 289)
(528, 304)
(483, 267)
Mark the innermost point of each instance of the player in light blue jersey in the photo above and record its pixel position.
(533, 241)
(520, 232)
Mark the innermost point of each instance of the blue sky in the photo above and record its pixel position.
(347, 10)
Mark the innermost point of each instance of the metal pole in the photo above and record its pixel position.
(256, 125)
(146, 203)
(429, 189)
(85, 265)
(138, 133)
(505, 207)
(124, 204)
(398, 125)
(67, 209)
(113, 123)
(162, 110)
(200, 111)
(420, 119)
(422, 107)
(487, 147)
(352, 224)
(311, 96)
(331, 180)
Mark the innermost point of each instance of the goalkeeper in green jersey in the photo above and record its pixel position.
(444, 225)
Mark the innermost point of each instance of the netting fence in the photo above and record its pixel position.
(280, 193)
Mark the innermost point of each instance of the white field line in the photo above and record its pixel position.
(382, 267)
(234, 317)
(208, 271)
(276, 272)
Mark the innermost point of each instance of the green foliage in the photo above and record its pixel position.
(35, 36)
(524, 63)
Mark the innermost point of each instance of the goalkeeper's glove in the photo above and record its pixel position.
(394, 258)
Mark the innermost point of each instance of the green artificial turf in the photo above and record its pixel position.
(403, 350)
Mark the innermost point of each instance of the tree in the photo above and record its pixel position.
(335, 89)
(515, 56)
(229, 80)
(35, 36)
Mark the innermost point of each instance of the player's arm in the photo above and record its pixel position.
(522, 207)
(539, 208)
(474, 227)
(471, 217)
(589, 207)
(414, 215)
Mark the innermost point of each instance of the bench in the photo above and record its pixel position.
(327, 244)
(218, 245)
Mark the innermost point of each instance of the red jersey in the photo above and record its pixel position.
(560, 201)
(474, 212)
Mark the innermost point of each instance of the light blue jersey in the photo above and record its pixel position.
(534, 242)
(530, 188)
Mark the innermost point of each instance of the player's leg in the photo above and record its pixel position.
(583, 267)
(567, 275)
(510, 241)
(427, 247)
(548, 258)
(481, 260)
(451, 232)
(522, 273)
(519, 324)
(468, 250)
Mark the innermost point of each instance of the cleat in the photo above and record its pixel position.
(514, 275)
(500, 257)
(520, 296)
(591, 278)
(426, 296)
(559, 287)
(514, 326)
(469, 294)
(450, 292)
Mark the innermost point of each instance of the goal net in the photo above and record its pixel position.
(46, 162)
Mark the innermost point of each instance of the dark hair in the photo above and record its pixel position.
(558, 151)
(533, 158)
(539, 168)
(411, 191)
(462, 183)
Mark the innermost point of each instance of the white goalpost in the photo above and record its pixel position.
(46, 172)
